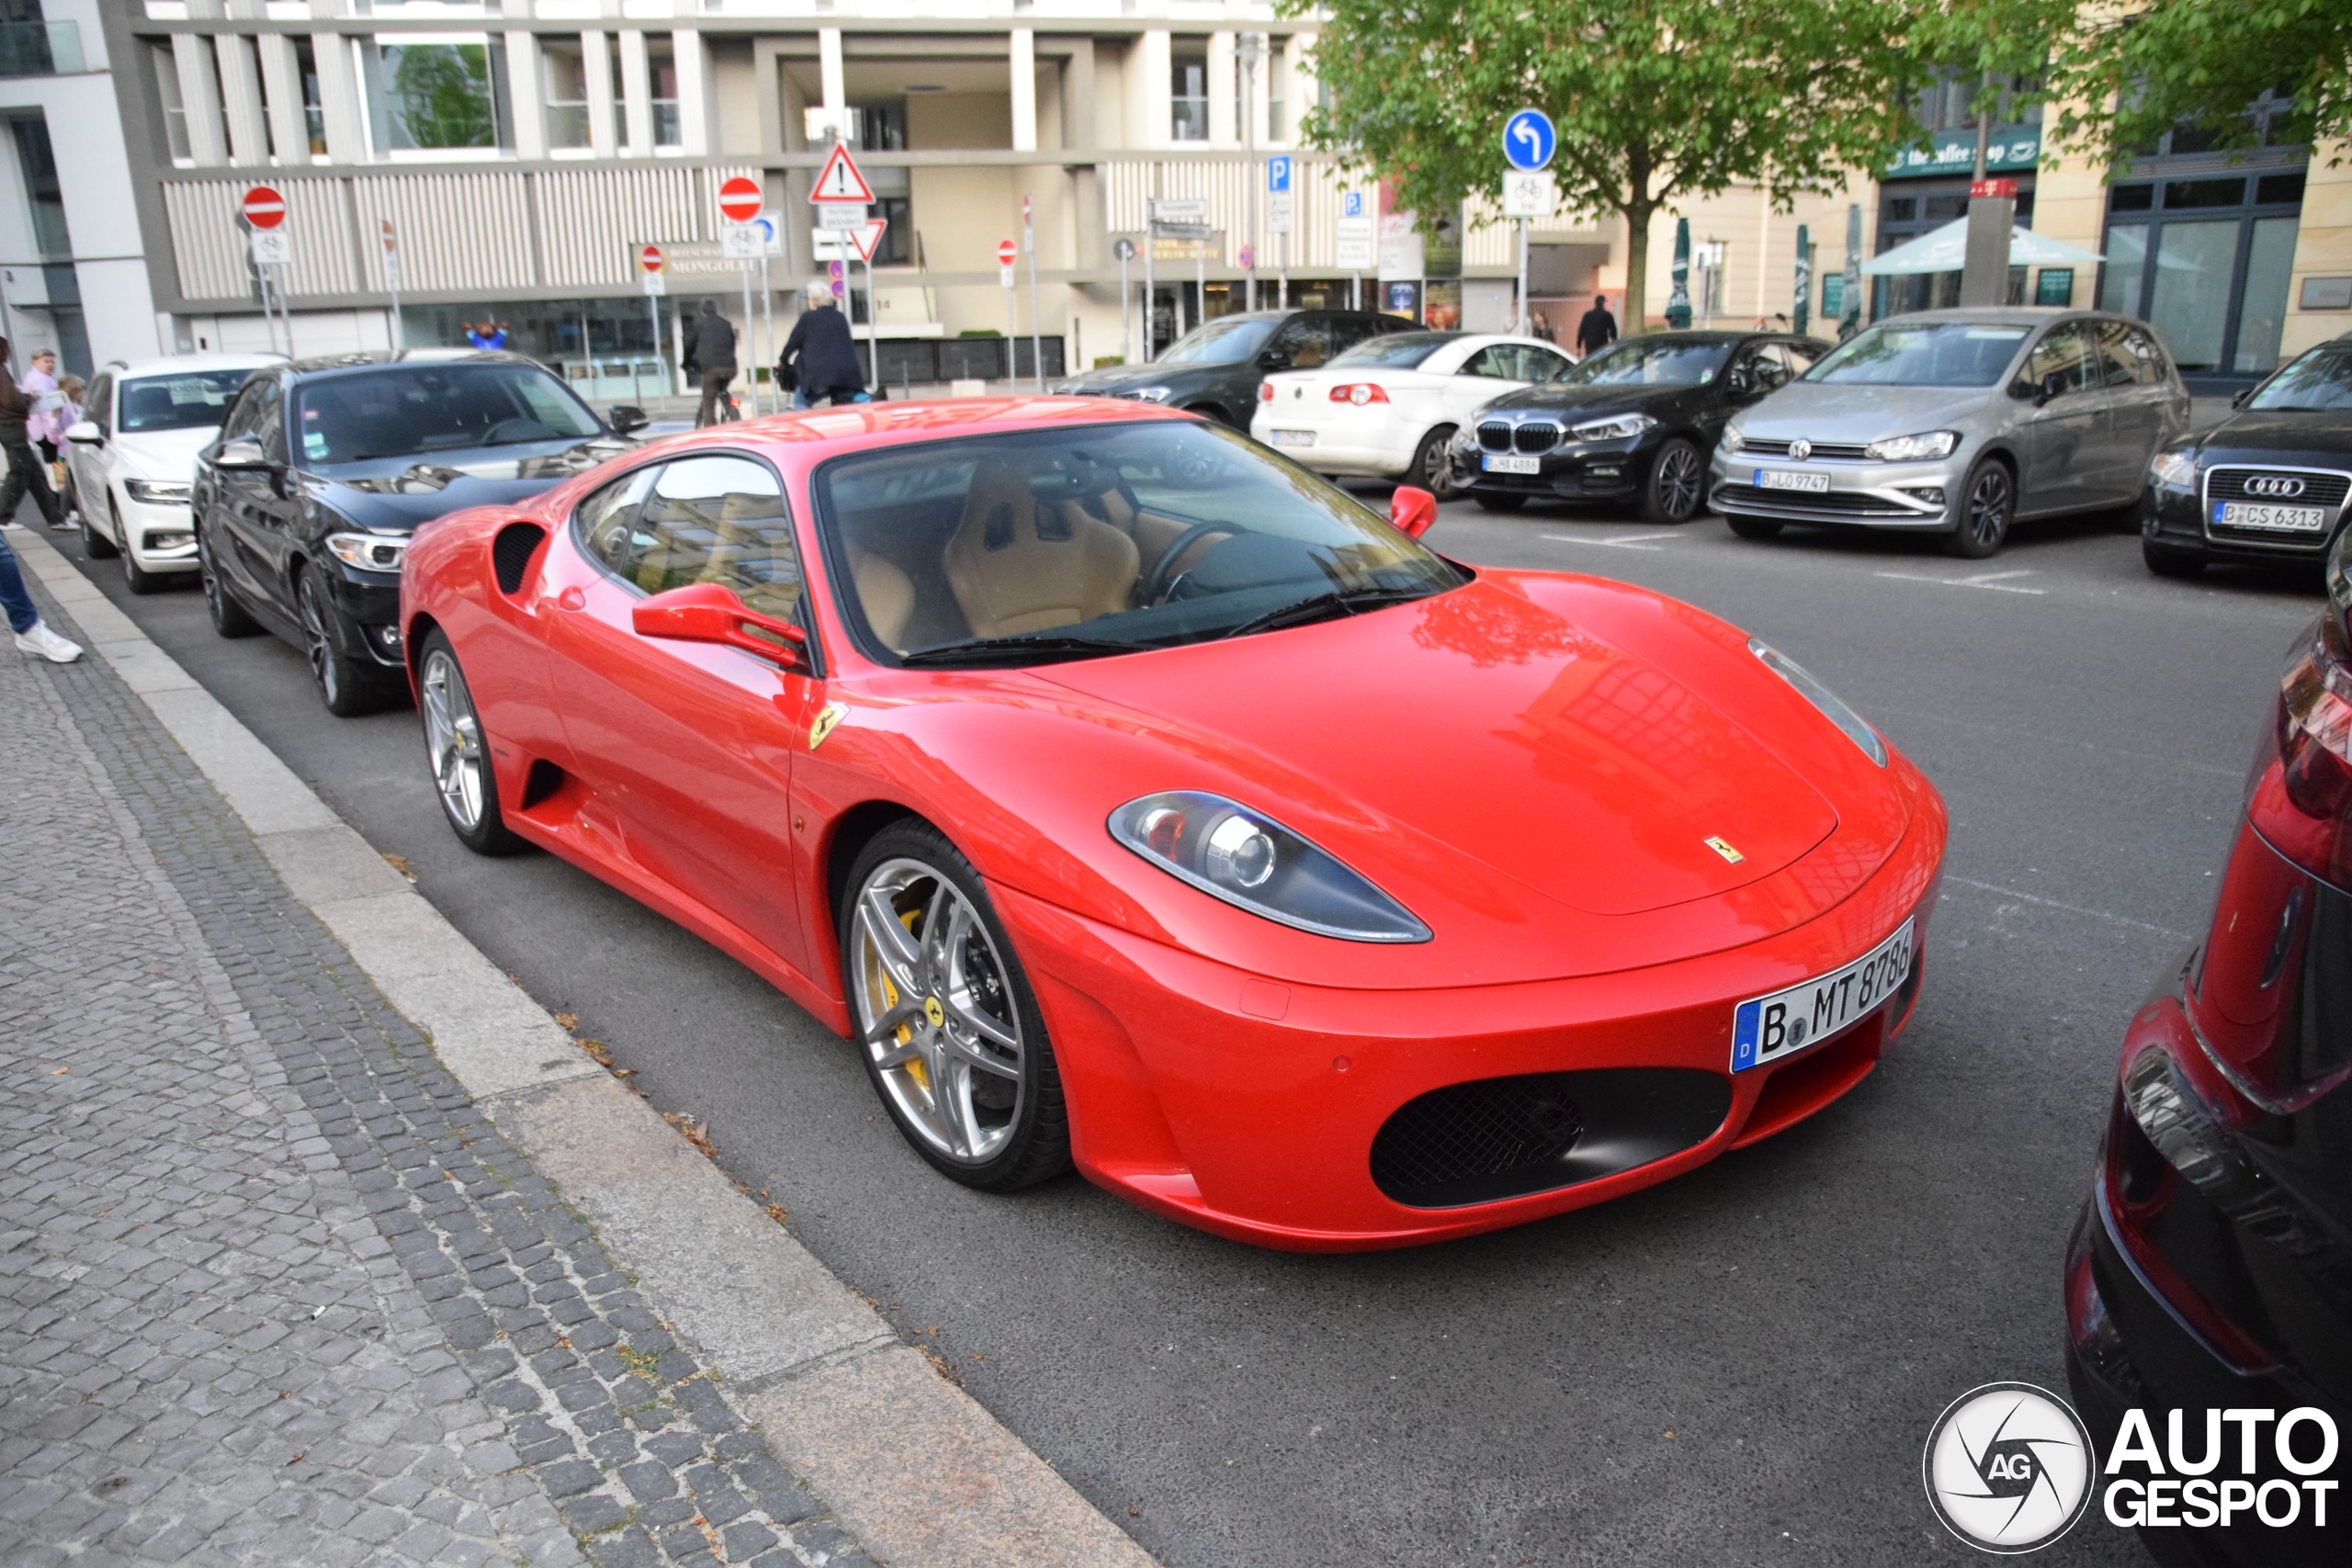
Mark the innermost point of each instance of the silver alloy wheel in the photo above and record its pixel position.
(936, 1010)
(453, 740)
(1678, 480)
(1988, 506)
(325, 667)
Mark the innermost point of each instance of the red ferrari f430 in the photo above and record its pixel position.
(1133, 798)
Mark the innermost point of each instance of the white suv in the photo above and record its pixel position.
(129, 463)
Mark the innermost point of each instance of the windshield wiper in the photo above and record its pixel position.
(1321, 606)
(1016, 651)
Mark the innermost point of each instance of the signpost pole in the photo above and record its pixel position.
(1127, 309)
(654, 320)
(1036, 342)
(873, 331)
(1247, 47)
(392, 278)
(1525, 320)
(1012, 331)
(754, 387)
(1150, 292)
(767, 325)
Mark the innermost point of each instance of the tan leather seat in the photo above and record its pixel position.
(886, 594)
(1011, 578)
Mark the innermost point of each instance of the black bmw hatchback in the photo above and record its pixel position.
(2209, 1285)
(1637, 422)
(2270, 482)
(324, 469)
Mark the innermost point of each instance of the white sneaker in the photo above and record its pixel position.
(45, 644)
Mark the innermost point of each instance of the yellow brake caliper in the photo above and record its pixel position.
(906, 1032)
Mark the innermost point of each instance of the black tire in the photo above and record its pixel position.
(136, 578)
(1490, 501)
(1754, 527)
(347, 690)
(1433, 467)
(1036, 1143)
(95, 543)
(488, 833)
(2171, 560)
(229, 618)
(1988, 504)
(1675, 486)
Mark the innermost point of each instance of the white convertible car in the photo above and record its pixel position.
(1386, 407)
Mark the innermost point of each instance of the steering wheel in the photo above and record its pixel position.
(1153, 586)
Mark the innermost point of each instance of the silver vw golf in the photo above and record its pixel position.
(1957, 422)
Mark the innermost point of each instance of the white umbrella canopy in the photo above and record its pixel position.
(1943, 250)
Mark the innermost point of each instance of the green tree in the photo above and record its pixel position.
(1657, 101)
(2127, 79)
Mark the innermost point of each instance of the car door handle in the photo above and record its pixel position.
(571, 599)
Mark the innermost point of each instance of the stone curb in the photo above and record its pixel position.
(909, 1461)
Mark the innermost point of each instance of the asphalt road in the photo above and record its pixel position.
(1737, 1367)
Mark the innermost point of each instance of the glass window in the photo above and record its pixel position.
(167, 92)
(1120, 536)
(44, 193)
(1187, 102)
(1639, 362)
(97, 404)
(414, 410)
(2270, 258)
(1226, 340)
(1547, 363)
(2187, 300)
(2181, 193)
(1921, 353)
(441, 96)
(662, 69)
(2278, 190)
(188, 402)
(565, 75)
(245, 412)
(2132, 198)
(2127, 255)
(1399, 351)
(2321, 381)
(269, 427)
(717, 519)
(315, 113)
(2065, 353)
(1349, 328)
(1305, 341)
(1499, 360)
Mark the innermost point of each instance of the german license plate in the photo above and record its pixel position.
(1511, 463)
(1769, 1028)
(1783, 478)
(1293, 438)
(2263, 514)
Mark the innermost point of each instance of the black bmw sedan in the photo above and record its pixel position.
(2269, 483)
(2209, 1285)
(324, 468)
(1637, 422)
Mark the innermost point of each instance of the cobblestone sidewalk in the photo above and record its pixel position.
(272, 1290)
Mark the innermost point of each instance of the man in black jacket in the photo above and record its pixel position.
(26, 471)
(1597, 330)
(826, 364)
(710, 357)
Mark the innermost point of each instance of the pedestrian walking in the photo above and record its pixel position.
(25, 470)
(1543, 327)
(709, 360)
(1597, 330)
(46, 426)
(821, 355)
(33, 635)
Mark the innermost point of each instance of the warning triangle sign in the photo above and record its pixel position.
(840, 181)
(867, 238)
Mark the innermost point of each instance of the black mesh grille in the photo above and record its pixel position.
(1468, 1136)
(1827, 451)
(1533, 437)
(510, 554)
(1495, 435)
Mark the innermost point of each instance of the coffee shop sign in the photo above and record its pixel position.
(1954, 153)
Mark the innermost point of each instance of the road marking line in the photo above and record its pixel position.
(1986, 579)
(1630, 542)
(2068, 909)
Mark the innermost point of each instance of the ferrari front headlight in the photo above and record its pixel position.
(1254, 862)
(1809, 686)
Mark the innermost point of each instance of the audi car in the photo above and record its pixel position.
(324, 469)
(1634, 422)
(2269, 483)
(1131, 798)
(2209, 1282)
(1956, 423)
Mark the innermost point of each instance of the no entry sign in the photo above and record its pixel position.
(650, 259)
(1006, 252)
(263, 207)
(739, 199)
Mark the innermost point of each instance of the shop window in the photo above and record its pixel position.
(443, 96)
(563, 73)
(880, 127)
(2179, 194)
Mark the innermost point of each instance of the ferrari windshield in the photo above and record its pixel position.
(1103, 539)
(2320, 382)
(1922, 354)
(1640, 363)
(1226, 342)
(401, 411)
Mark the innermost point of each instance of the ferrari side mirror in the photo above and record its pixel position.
(710, 612)
(1411, 511)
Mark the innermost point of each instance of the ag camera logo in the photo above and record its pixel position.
(2008, 1468)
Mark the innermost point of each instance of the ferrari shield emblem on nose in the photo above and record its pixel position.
(1723, 848)
(825, 721)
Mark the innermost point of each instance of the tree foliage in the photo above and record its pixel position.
(2126, 79)
(1657, 101)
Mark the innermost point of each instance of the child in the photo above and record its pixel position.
(70, 388)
